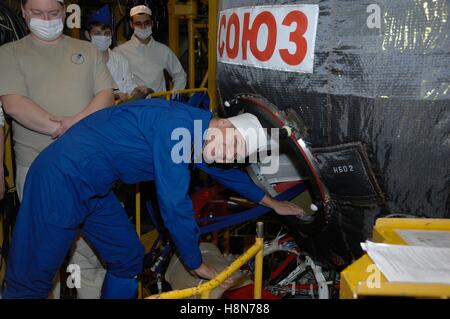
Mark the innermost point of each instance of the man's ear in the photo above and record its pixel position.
(131, 24)
(225, 123)
(23, 13)
(87, 34)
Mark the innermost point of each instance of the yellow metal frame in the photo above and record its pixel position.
(205, 289)
(354, 279)
(354, 284)
(8, 162)
(169, 94)
(8, 159)
(138, 228)
(385, 228)
(188, 11)
(212, 52)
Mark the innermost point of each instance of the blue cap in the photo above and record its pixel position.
(102, 15)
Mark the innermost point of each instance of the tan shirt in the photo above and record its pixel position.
(61, 78)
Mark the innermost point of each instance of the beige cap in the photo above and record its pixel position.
(251, 130)
(140, 9)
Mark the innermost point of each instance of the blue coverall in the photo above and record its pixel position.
(68, 188)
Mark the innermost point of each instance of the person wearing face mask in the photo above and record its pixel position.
(49, 82)
(149, 58)
(100, 34)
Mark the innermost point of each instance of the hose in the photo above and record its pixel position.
(12, 27)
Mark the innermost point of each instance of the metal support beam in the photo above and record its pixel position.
(138, 228)
(191, 51)
(212, 55)
(259, 261)
(174, 28)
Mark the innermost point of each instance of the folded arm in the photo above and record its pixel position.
(100, 101)
(29, 114)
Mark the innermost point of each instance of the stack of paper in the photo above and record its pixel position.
(411, 264)
(431, 238)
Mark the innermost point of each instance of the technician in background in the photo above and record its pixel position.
(100, 34)
(149, 58)
(49, 82)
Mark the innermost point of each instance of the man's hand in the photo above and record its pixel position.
(206, 272)
(145, 90)
(287, 208)
(141, 89)
(122, 97)
(65, 122)
(282, 208)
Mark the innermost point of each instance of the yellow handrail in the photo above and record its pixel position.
(138, 228)
(168, 94)
(205, 289)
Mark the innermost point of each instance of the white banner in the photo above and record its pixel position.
(280, 37)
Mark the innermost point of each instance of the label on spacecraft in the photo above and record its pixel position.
(280, 37)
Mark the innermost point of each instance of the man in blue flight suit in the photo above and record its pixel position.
(68, 189)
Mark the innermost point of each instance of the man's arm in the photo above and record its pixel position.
(29, 114)
(241, 183)
(235, 180)
(14, 92)
(14, 95)
(103, 99)
(172, 185)
(175, 69)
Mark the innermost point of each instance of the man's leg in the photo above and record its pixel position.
(114, 238)
(38, 249)
(21, 175)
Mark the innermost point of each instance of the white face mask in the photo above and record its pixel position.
(47, 30)
(143, 34)
(102, 42)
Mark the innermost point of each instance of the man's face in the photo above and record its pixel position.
(101, 31)
(224, 143)
(142, 21)
(43, 9)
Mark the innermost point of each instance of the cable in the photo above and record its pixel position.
(12, 27)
